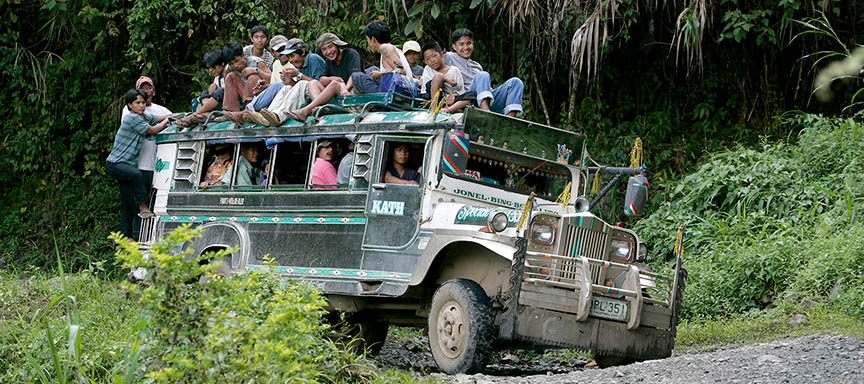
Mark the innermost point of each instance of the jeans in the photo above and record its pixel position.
(264, 98)
(506, 98)
(132, 193)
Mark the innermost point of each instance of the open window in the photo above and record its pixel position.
(218, 161)
(325, 159)
(403, 161)
(239, 165)
(291, 164)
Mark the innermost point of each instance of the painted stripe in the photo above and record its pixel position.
(460, 142)
(267, 219)
(334, 272)
(449, 163)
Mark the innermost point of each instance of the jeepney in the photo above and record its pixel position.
(496, 246)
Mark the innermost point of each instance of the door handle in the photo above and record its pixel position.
(379, 186)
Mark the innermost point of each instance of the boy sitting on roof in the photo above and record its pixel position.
(440, 76)
(506, 99)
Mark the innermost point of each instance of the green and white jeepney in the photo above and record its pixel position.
(496, 247)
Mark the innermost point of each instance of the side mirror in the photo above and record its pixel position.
(637, 193)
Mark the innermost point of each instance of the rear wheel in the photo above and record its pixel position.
(359, 332)
(460, 327)
(605, 361)
(222, 271)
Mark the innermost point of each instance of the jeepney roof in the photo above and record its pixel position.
(399, 116)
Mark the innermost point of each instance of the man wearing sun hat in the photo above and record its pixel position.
(277, 44)
(308, 64)
(339, 60)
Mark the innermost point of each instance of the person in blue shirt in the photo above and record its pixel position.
(398, 171)
(122, 162)
(307, 65)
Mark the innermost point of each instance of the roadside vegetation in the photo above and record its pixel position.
(772, 205)
(187, 325)
(772, 234)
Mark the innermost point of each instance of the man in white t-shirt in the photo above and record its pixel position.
(147, 155)
(506, 99)
(392, 60)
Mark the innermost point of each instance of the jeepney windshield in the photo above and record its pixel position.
(524, 137)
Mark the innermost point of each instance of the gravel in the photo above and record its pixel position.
(808, 359)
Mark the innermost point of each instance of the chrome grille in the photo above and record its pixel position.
(584, 237)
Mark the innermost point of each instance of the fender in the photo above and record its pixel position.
(440, 242)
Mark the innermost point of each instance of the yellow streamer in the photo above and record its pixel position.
(529, 205)
(564, 197)
(595, 186)
(636, 154)
(679, 246)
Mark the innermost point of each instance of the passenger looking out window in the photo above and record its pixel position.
(218, 168)
(247, 174)
(398, 171)
(323, 171)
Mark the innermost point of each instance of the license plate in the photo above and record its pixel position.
(608, 308)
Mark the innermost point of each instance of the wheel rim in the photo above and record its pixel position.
(451, 329)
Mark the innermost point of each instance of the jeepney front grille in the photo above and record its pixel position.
(582, 240)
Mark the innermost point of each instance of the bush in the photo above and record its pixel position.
(762, 225)
(229, 330)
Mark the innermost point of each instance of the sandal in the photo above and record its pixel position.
(146, 214)
(271, 117)
(296, 117)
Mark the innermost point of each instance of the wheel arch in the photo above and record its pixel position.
(471, 261)
(222, 235)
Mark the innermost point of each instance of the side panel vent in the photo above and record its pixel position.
(188, 167)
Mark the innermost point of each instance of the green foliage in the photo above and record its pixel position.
(250, 325)
(63, 329)
(764, 224)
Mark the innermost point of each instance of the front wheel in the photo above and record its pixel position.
(460, 327)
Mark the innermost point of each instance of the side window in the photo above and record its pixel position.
(402, 163)
(218, 161)
(248, 171)
(326, 159)
(241, 165)
(291, 165)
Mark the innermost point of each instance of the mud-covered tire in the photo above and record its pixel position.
(606, 361)
(367, 334)
(460, 327)
(222, 271)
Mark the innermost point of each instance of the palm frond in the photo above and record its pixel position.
(689, 31)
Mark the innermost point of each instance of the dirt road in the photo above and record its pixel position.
(807, 359)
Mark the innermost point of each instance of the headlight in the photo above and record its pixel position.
(619, 249)
(498, 222)
(642, 254)
(542, 233)
(581, 204)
